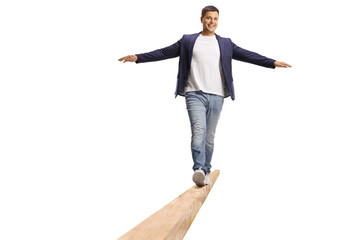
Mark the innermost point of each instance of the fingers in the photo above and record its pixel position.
(282, 64)
(125, 59)
(287, 65)
(128, 58)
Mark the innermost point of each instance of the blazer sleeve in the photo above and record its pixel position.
(171, 51)
(251, 57)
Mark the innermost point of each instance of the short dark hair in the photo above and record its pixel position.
(208, 8)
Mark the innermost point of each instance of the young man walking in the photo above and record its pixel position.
(205, 79)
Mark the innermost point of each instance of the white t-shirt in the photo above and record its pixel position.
(205, 71)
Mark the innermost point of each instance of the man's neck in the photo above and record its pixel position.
(207, 34)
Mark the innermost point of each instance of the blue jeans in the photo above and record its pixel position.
(204, 113)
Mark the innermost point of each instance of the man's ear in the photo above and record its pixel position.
(201, 18)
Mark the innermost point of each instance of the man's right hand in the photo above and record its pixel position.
(129, 58)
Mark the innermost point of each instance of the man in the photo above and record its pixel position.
(205, 79)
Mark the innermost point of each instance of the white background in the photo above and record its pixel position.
(90, 147)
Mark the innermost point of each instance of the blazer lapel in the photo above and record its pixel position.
(221, 45)
(191, 45)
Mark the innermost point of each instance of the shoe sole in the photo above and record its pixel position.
(198, 179)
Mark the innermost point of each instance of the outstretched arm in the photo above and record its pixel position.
(244, 55)
(255, 58)
(157, 55)
(160, 54)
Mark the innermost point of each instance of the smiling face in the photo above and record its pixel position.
(209, 21)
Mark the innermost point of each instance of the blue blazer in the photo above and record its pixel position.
(184, 48)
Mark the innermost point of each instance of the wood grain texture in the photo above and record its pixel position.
(174, 219)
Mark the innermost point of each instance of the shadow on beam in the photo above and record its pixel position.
(173, 220)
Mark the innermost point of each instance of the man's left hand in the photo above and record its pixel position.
(281, 64)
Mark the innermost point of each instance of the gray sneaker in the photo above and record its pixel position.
(207, 180)
(199, 177)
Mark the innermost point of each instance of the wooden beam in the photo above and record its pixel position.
(174, 219)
